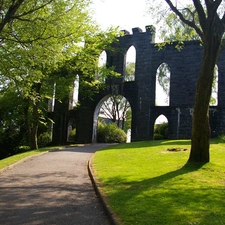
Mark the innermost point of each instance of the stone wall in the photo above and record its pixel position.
(184, 67)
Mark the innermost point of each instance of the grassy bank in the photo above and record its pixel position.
(15, 158)
(147, 184)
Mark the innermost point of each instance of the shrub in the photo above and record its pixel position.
(158, 137)
(72, 135)
(10, 140)
(44, 139)
(110, 133)
(222, 138)
(161, 131)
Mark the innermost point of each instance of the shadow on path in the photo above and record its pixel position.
(53, 188)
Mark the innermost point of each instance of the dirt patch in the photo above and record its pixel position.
(177, 149)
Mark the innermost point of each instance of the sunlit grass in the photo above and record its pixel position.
(146, 184)
(15, 158)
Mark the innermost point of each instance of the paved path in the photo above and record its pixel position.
(53, 188)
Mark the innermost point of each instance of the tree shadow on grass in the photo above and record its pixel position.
(160, 200)
(146, 144)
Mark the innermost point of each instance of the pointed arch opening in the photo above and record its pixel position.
(130, 64)
(73, 99)
(214, 94)
(161, 128)
(162, 87)
(71, 130)
(113, 112)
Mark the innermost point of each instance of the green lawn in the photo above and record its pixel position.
(15, 158)
(146, 184)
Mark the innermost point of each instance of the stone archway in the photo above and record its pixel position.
(106, 110)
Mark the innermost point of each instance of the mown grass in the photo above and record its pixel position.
(146, 184)
(15, 158)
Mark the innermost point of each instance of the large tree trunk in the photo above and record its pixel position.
(200, 124)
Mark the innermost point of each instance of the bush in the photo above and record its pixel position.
(72, 135)
(44, 139)
(222, 138)
(161, 131)
(110, 133)
(158, 137)
(10, 140)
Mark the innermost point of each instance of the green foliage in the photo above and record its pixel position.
(12, 127)
(158, 137)
(130, 71)
(72, 135)
(93, 75)
(42, 43)
(214, 94)
(176, 29)
(110, 133)
(222, 138)
(163, 77)
(115, 108)
(35, 42)
(44, 139)
(161, 131)
(10, 139)
(127, 123)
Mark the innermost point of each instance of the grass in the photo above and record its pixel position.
(15, 158)
(146, 184)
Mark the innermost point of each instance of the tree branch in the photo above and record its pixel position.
(212, 6)
(188, 22)
(32, 11)
(10, 13)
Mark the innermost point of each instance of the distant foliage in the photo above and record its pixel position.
(161, 131)
(10, 140)
(158, 137)
(222, 138)
(110, 133)
(72, 135)
(44, 139)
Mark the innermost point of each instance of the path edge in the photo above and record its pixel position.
(25, 159)
(21, 161)
(111, 215)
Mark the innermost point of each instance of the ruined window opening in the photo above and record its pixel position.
(51, 102)
(100, 74)
(161, 128)
(162, 87)
(214, 95)
(130, 64)
(73, 100)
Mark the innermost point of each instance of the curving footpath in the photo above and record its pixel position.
(51, 189)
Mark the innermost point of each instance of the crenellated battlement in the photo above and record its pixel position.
(184, 65)
(137, 31)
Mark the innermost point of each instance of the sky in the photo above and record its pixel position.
(126, 14)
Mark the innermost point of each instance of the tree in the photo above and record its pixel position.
(37, 38)
(115, 108)
(210, 27)
(176, 30)
(130, 71)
